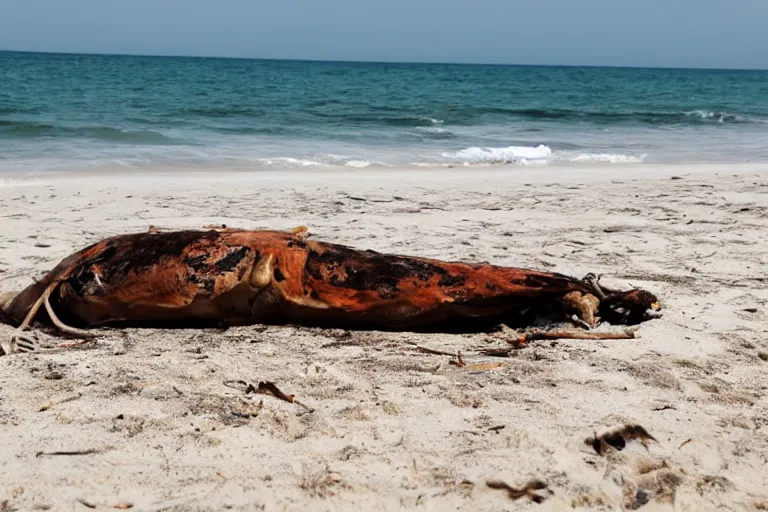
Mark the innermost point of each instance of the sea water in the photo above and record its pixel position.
(60, 112)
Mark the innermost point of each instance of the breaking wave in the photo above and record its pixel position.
(609, 158)
(289, 162)
(328, 160)
(507, 155)
(359, 164)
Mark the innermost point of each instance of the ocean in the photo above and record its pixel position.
(92, 112)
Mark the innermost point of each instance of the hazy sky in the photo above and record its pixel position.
(685, 33)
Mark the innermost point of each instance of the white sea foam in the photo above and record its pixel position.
(19, 183)
(704, 114)
(434, 165)
(610, 158)
(358, 163)
(721, 117)
(350, 161)
(725, 117)
(289, 161)
(435, 132)
(511, 154)
(435, 122)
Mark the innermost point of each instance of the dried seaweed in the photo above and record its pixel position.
(265, 388)
(528, 490)
(618, 439)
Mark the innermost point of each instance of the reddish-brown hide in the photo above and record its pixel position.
(243, 277)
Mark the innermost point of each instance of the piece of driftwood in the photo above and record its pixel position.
(238, 277)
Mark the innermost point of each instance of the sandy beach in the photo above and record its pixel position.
(144, 418)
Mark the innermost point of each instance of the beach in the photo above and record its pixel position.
(143, 417)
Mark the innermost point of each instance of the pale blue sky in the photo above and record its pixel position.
(684, 33)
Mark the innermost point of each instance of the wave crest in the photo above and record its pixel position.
(435, 132)
(289, 162)
(508, 155)
(694, 117)
(608, 158)
(24, 129)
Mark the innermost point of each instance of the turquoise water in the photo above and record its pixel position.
(89, 111)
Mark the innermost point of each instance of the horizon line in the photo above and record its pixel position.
(337, 61)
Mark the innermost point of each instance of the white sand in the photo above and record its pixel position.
(394, 428)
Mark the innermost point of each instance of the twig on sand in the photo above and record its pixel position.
(432, 351)
(74, 344)
(522, 340)
(561, 334)
(483, 366)
(119, 506)
(90, 451)
(265, 388)
(499, 351)
(457, 358)
(50, 403)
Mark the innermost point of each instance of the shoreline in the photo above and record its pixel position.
(533, 173)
